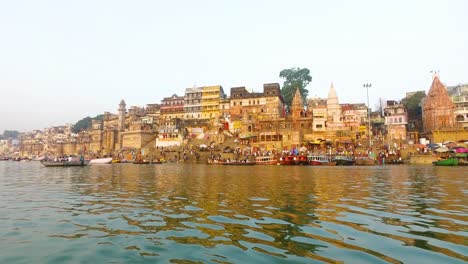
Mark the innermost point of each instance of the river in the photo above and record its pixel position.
(192, 213)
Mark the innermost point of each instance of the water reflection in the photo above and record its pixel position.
(177, 213)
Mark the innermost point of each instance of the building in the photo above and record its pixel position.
(318, 107)
(334, 111)
(459, 95)
(193, 103)
(211, 96)
(438, 108)
(172, 107)
(396, 121)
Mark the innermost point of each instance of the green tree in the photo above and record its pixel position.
(413, 103)
(295, 78)
(9, 134)
(85, 123)
(414, 108)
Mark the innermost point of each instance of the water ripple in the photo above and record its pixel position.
(196, 213)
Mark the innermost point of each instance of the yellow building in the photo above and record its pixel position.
(211, 96)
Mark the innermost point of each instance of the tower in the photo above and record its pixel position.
(122, 110)
(333, 106)
(297, 107)
(438, 108)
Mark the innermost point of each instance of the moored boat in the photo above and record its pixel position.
(143, 162)
(302, 160)
(343, 160)
(318, 160)
(446, 162)
(288, 160)
(73, 163)
(101, 161)
(239, 162)
(266, 160)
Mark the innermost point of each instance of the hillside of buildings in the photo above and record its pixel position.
(207, 116)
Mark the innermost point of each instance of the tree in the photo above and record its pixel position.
(413, 103)
(413, 106)
(85, 123)
(9, 134)
(295, 78)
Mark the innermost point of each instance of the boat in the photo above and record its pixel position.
(214, 162)
(38, 158)
(239, 162)
(266, 160)
(101, 161)
(302, 160)
(143, 162)
(73, 163)
(319, 160)
(446, 162)
(365, 161)
(288, 160)
(343, 160)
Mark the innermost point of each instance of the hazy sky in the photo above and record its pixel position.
(64, 60)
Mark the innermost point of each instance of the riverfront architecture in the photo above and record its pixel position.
(207, 115)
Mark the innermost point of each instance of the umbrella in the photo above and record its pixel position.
(441, 149)
(302, 149)
(203, 146)
(432, 146)
(461, 150)
(451, 145)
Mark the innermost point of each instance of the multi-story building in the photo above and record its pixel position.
(172, 107)
(193, 103)
(396, 121)
(459, 95)
(318, 106)
(211, 96)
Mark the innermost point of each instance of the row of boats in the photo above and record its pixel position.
(73, 161)
(314, 160)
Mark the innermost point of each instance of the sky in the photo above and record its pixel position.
(62, 60)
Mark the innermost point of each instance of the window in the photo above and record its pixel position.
(400, 119)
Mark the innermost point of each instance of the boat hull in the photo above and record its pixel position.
(101, 161)
(269, 160)
(446, 162)
(64, 163)
(344, 161)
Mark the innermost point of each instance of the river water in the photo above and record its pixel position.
(189, 213)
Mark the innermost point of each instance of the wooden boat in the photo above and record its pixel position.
(143, 162)
(365, 161)
(302, 160)
(101, 161)
(316, 160)
(239, 162)
(73, 163)
(343, 160)
(266, 160)
(288, 160)
(214, 162)
(446, 162)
